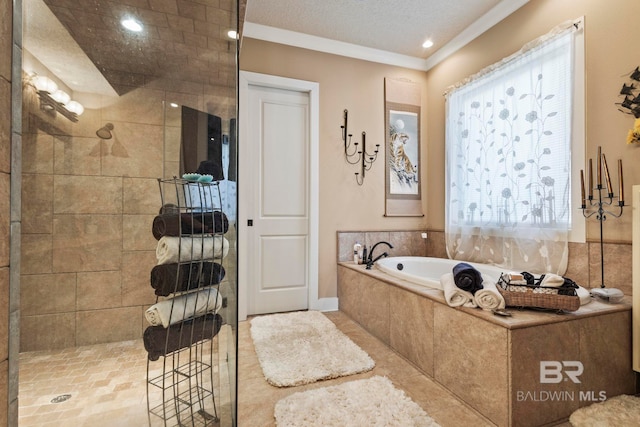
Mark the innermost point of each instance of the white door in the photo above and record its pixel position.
(275, 179)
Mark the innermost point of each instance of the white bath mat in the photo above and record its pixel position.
(370, 402)
(619, 411)
(303, 347)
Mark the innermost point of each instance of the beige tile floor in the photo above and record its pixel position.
(257, 398)
(107, 383)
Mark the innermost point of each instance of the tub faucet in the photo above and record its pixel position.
(371, 260)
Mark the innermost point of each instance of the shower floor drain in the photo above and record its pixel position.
(61, 398)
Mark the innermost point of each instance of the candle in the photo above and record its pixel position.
(584, 202)
(599, 168)
(620, 184)
(607, 177)
(590, 179)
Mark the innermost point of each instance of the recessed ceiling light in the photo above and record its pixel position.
(131, 25)
(427, 44)
(233, 34)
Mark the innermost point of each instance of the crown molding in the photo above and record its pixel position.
(480, 26)
(320, 44)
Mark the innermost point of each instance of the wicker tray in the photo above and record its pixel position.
(537, 296)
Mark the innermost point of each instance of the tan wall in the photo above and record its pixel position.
(359, 87)
(610, 57)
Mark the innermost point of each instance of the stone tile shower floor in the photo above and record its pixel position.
(107, 383)
(102, 385)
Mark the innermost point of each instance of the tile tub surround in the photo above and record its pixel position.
(493, 363)
(583, 267)
(405, 242)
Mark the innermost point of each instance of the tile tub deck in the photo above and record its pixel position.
(491, 362)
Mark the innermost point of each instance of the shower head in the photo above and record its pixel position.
(105, 131)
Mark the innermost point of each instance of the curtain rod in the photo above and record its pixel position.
(570, 25)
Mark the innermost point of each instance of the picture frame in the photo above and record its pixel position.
(403, 150)
(403, 189)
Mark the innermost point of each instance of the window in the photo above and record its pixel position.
(509, 135)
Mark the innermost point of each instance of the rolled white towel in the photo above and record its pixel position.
(186, 306)
(192, 248)
(455, 296)
(489, 298)
(552, 280)
(515, 278)
(584, 294)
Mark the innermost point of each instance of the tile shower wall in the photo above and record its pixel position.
(88, 204)
(583, 267)
(82, 276)
(9, 218)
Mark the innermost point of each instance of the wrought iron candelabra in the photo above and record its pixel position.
(602, 206)
(357, 157)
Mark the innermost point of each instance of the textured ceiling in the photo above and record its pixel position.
(187, 39)
(182, 39)
(398, 26)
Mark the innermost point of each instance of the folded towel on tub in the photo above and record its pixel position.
(455, 296)
(466, 277)
(176, 249)
(179, 308)
(159, 341)
(489, 298)
(169, 278)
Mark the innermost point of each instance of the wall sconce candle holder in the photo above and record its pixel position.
(361, 157)
(600, 206)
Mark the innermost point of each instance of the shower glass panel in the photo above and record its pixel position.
(109, 91)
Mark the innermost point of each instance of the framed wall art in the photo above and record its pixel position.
(403, 195)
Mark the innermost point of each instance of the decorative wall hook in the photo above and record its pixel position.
(357, 157)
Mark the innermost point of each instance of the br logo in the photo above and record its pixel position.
(554, 372)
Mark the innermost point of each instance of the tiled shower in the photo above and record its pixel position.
(88, 200)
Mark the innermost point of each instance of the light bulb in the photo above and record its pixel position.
(75, 107)
(131, 25)
(45, 84)
(427, 44)
(61, 96)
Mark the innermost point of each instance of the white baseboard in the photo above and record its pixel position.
(324, 304)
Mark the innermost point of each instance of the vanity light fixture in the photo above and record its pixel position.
(54, 100)
(232, 34)
(131, 25)
(360, 157)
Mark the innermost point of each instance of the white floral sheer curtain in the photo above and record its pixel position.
(508, 159)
